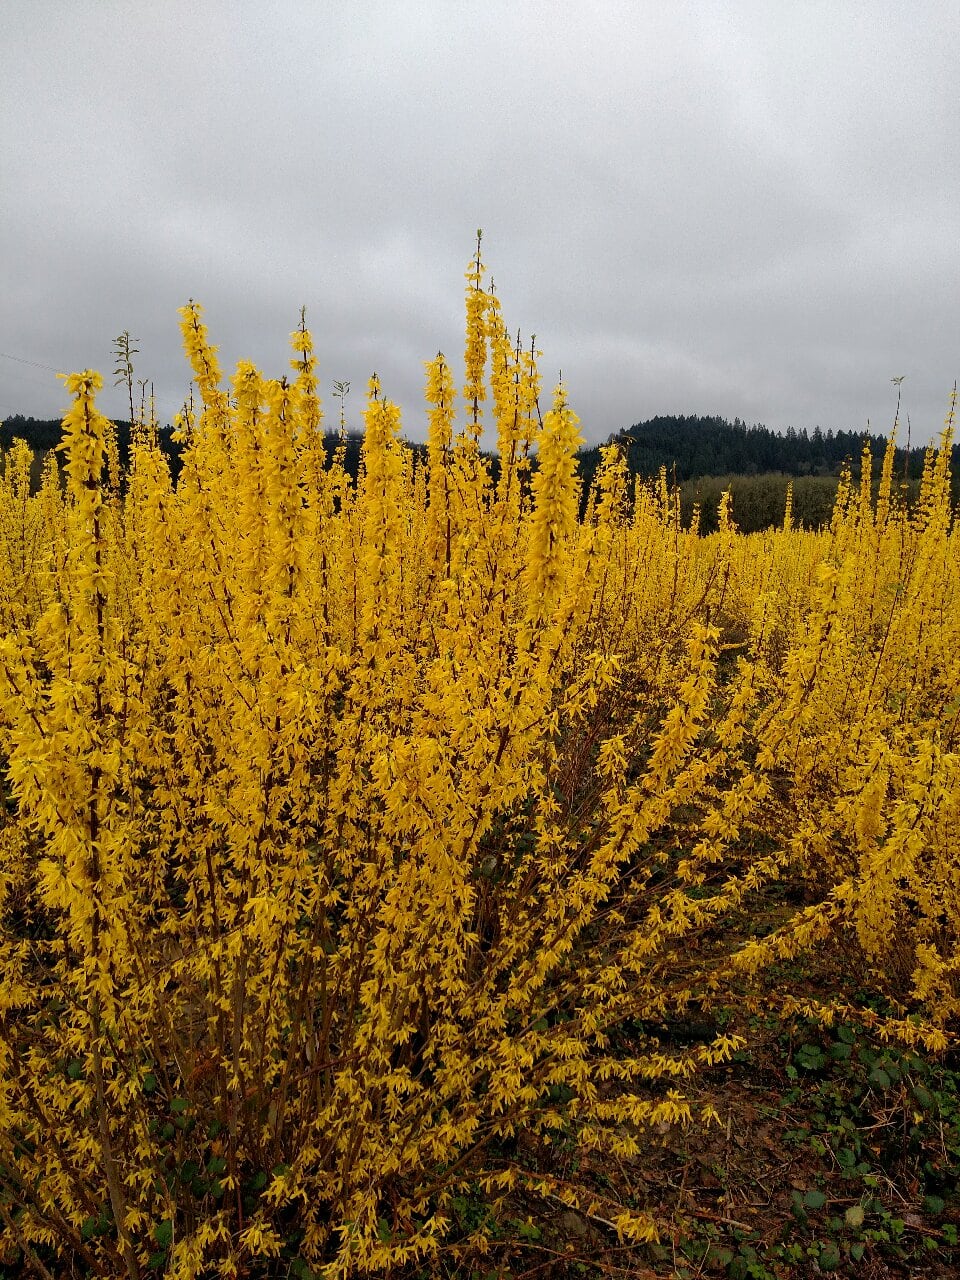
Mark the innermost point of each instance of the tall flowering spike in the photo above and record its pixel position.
(248, 393)
(475, 350)
(885, 492)
(838, 519)
(203, 361)
(284, 498)
(611, 486)
(85, 433)
(506, 374)
(724, 515)
(502, 377)
(304, 365)
(383, 525)
(440, 396)
(556, 491)
(75, 818)
(249, 463)
(935, 499)
(866, 475)
(528, 395)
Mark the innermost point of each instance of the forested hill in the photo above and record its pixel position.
(691, 447)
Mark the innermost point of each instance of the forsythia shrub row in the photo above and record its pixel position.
(345, 823)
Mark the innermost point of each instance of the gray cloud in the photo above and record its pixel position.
(736, 208)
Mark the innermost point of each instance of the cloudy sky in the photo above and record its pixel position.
(719, 207)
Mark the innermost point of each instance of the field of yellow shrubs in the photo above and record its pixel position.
(345, 822)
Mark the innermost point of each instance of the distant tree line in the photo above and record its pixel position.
(703, 456)
(44, 434)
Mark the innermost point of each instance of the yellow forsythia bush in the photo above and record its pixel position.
(866, 725)
(346, 822)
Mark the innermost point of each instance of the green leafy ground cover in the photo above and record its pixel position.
(836, 1154)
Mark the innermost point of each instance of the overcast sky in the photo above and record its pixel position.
(735, 208)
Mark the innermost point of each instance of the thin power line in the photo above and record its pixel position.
(35, 363)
